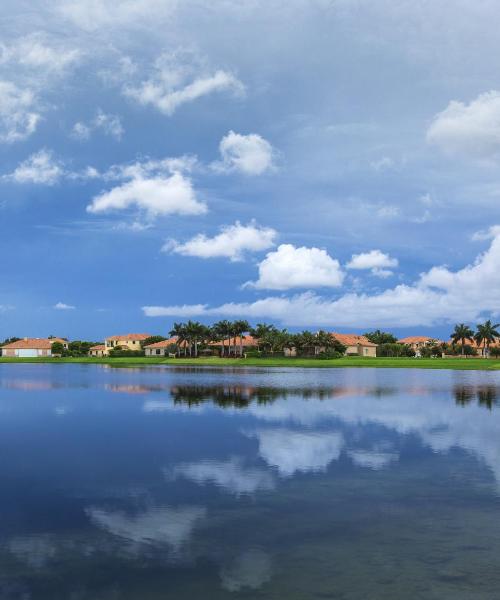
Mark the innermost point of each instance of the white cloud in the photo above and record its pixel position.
(376, 261)
(291, 267)
(95, 14)
(158, 188)
(33, 52)
(382, 164)
(471, 130)
(249, 154)
(438, 296)
(373, 459)
(19, 114)
(486, 234)
(39, 168)
(293, 451)
(180, 78)
(157, 525)
(63, 306)
(184, 310)
(230, 475)
(110, 125)
(232, 242)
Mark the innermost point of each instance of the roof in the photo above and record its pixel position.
(352, 339)
(98, 347)
(247, 340)
(130, 336)
(163, 344)
(31, 344)
(417, 339)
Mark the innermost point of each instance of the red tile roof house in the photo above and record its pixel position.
(236, 345)
(128, 341)
(356, 345)
(163, 348)
(31, 347)
(418, 341)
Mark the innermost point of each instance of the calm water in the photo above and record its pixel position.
(283, 484)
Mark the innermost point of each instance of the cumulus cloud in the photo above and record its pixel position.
(447, 296)
(39, 168)
(471, 130)
(376, 261)
(110, 125)
(33, 52)
(63, 306)
(230, 475)
(248, 154)
(382, 164)
(180, 78)
(290, 267)
(232, 242)
(95, 14)
(158, 188)
(19, 114)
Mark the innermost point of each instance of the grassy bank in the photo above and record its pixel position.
(388, 363)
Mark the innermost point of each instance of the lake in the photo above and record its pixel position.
(163, 483)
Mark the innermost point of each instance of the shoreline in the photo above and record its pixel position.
(459, 364)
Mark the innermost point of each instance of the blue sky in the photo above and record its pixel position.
(312, 163)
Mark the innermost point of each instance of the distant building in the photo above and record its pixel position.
(32, 347)
(416, 342)
(233, 347)
(99, 350)
(357, 345)
(160, 348)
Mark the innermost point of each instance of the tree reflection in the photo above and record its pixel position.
(241, 396)
(485, 395)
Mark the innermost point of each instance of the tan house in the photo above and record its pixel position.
(357, 345)
(233, 347)
(128, 341)
(160, 348)
(416, 342)
(99, 350)
(31, 347)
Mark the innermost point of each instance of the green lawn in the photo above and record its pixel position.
(414, 363)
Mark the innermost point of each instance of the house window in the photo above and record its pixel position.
(158, 351)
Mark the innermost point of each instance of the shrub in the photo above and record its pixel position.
(329, 354)
(118, 352)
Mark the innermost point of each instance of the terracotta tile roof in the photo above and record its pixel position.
(98, 347)
(418, 339)
(248, 340)
(31, 344)
(134, 337)
(163, 344)
(352, 339)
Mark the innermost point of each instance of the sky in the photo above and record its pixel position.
(313, 163)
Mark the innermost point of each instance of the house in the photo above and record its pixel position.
(128, 341)
(416, 342)
(99, 350)
(357, 345)
(32, 347)
(160, 348)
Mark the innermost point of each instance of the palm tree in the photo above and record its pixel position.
(260, 331)
(179, 331)
(239, 328)
(462, 333)
(486, 334)
(222, 331)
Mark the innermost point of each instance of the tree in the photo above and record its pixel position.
(179, 331)
(260, 331)
(461, 334)
(381, 337)
(10, 340)
(239, 328)
(486, 334)
(329, 342)
(222, 331)
(57, 348)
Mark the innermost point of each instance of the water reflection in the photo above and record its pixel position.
(166, 484)
(485, 395)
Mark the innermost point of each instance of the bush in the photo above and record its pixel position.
(495, 351)
(119, 353)
(329, 354)
(394, 350)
